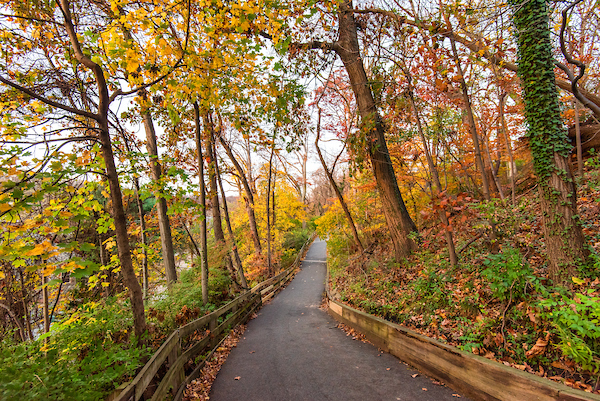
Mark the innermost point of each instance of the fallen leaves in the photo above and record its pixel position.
(199, 389)
(351, 332)
(539, 348)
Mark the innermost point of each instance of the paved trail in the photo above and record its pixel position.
(294, 351)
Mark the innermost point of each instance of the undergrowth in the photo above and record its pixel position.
(497, 304)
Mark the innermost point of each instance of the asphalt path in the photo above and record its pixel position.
(294, 351)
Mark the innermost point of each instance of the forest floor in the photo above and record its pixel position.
(497, 303)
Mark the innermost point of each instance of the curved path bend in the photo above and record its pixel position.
(294, 351)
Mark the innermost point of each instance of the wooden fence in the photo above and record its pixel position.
(197, 341)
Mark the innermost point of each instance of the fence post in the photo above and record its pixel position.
(212, 325)
(179, 376)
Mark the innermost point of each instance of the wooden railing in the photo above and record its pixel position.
(199, 337)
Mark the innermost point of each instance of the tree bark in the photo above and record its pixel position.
(122, 238)
(268, 196)
(166, 239)
(248, 198)
(45, 304)
(143, 239)
(338, 193)
(203, 229)
(512, 166)
(209, 140)
(471, 119)
(234, 248)
(398, 220)
(436, 179)
(548, 140)
(578, 140)
(26, 316)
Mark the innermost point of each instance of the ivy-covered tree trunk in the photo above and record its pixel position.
(550, 146)
(398, 220)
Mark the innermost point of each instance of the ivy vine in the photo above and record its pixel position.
(546, 132)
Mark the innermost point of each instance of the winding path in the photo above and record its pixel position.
(294, 351)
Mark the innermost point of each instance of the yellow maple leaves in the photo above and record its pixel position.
(45, 248)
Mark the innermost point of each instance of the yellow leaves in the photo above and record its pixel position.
(110, 244)
(40, 249)
(5, 207)
(74, 318)
(2, 275)
(132, 66)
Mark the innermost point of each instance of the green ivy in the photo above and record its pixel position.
(546, 132)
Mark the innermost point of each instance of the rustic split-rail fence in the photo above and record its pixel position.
(197, 341)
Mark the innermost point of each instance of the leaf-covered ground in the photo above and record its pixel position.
(497, 303)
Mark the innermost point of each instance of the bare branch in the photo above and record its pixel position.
(563, 48)
(47, 101)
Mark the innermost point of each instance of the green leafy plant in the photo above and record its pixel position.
(508, 276)
(577, 323)
(85, 357)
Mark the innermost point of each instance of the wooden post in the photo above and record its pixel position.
(179, 376)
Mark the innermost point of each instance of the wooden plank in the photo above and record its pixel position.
(196, 372)
(474, 376)
(168, 380)
(266, 290)
(141, 381)
(139, 384)
(335, 308)
(204, 320)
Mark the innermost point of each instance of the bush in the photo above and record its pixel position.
(576, 321)
(508, 276)
(86, 357)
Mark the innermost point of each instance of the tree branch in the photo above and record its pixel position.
(563, 48)
(475, 47)
(47, 101)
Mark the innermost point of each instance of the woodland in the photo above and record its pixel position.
(160, 157)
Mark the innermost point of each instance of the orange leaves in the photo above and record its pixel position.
(441, 85)
(45, 248)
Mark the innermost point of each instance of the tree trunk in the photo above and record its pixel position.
(397, 218)
(273, 207)
(166, 240)
(26, 316)
(511, 160)
(471, 120)
(248, 198)
(214, 192)
(122, 238)
(490, 170)
(578, 140)
(143, 239)
(45, 305)
(337, 190)
(268, 196)
(209, 140)
(203, 229)
(234, 248)
(436, 180)
(141, 215)
(548, 141)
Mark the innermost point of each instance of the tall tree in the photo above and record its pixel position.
(99, 126)
(548, 140)
(203, 229)
(399, 222)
